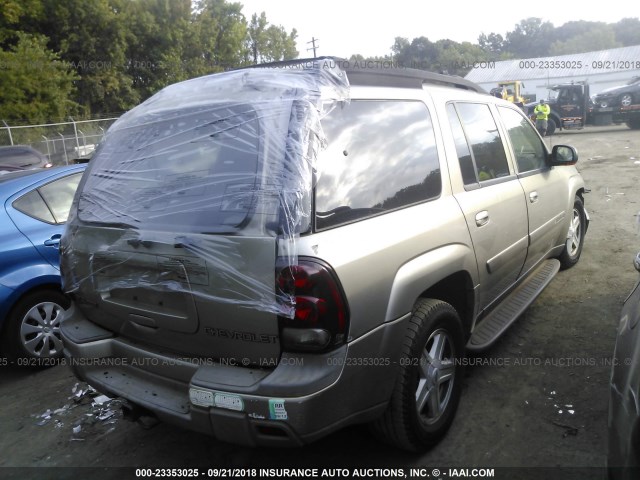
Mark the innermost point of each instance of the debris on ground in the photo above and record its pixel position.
(89, 413)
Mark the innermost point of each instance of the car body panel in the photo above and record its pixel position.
(623, 458)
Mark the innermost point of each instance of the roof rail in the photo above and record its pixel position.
(375, 73)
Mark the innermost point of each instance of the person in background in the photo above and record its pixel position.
(542, 111)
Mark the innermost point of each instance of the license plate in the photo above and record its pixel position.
(230, 402)
(202, 398)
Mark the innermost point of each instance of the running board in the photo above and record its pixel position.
(495, 324)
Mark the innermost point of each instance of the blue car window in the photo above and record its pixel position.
(33, 205)
(59, 194)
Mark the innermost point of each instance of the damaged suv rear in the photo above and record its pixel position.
(269, 254)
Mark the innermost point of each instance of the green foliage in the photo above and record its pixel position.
(123, 51)
(269, 43)
(35, 85)
(12, 12)
(628, 31)
(443, 56)
(598, 37)
(530, 38)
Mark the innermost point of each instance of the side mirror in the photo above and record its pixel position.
(564, 155)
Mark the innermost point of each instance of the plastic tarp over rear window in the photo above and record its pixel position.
(208, 165)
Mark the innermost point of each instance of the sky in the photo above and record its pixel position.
(346, 27)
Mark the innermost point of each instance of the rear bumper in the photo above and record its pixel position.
(302, 399)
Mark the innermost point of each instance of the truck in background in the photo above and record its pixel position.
(573, 108)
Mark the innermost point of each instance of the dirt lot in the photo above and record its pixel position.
(536, 399)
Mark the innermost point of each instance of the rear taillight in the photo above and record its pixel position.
(319, 317)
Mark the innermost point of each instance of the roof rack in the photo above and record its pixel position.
(378, 74)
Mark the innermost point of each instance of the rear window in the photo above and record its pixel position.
(381, 156)
(19, 158)
(187, 171)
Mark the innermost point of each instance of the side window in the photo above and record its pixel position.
(380, 156)
(485, 143)
(59, 195)
(51, 202)
(528, 149)
(33, 205)
(467, 167)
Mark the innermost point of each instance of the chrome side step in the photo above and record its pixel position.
(495, 324)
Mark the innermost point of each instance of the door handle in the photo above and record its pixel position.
(482, 218)
(54, 241)
(533, 197)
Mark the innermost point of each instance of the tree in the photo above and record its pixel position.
(531, 38)
(627, 31)
(492, 44)
(269, 43)
(157, 35)
(598, 37)
(12, 14)
(218, 38)
(458, 58)
(90, 35)
(35, 85)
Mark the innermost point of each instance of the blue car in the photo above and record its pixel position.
(34, 205)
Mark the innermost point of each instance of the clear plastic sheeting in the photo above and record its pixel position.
(196, 190)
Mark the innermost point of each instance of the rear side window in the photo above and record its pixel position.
(381, 156)
(51, 202)
(484, 143)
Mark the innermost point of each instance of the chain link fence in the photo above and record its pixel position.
(64, 143)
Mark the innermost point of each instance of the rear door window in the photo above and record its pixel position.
(381, 156)
(484, 148)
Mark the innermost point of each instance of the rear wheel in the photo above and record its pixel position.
(575, 236)
(626, 100)
(33, 328)
(634, 124)
(428, 387)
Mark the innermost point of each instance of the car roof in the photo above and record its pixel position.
(377, 74)
(15, 181)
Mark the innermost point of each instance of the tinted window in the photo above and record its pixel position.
(467, 167)
(527, 147)
(33, 205)
(51, 202)
(482, 136)
(381, 155)
(59, 195)
(193, 170)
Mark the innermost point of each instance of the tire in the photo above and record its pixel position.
(551, 127)
(634, 124)
(626, 100)
(428, 387)
(575, 236)
(33, 328)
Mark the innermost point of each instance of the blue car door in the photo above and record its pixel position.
(40, 213)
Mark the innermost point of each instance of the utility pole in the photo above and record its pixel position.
(314, 47)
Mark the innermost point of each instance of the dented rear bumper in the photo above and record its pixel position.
(302, 398)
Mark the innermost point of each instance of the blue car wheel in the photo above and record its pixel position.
(33, 329)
